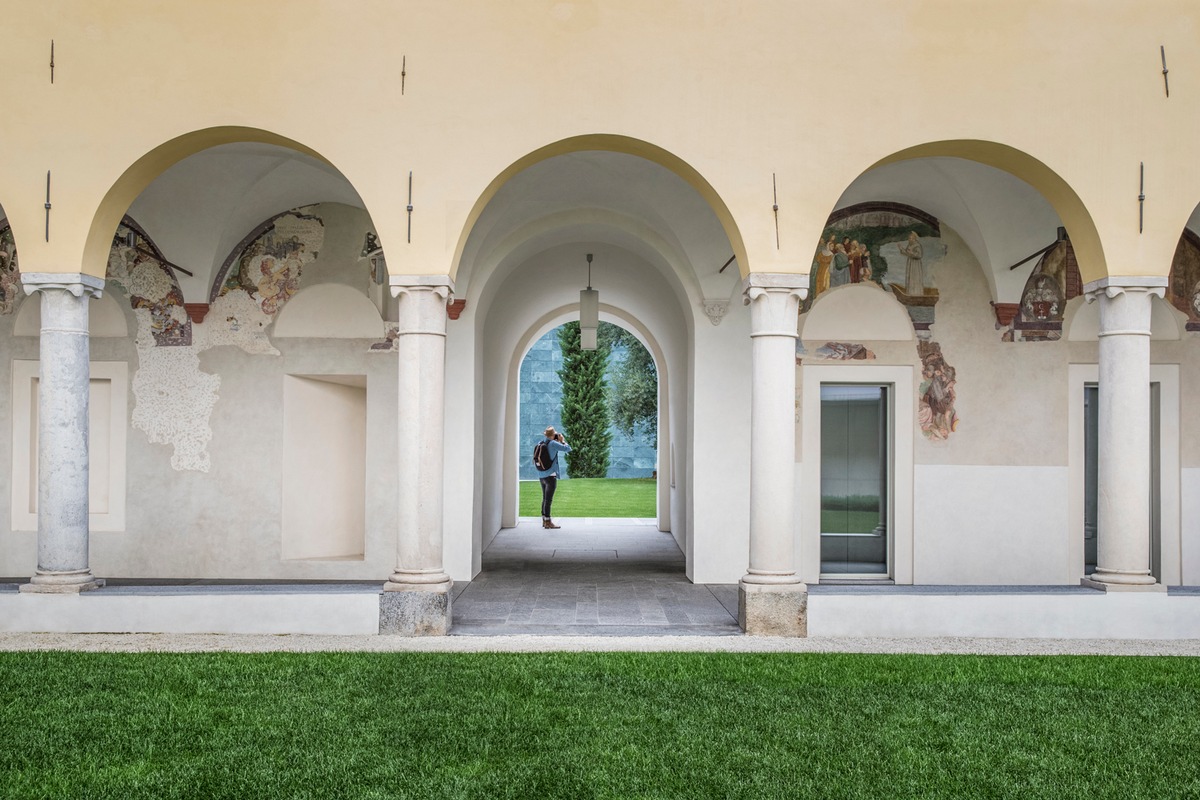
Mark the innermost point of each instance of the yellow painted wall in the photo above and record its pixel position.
(815, 92)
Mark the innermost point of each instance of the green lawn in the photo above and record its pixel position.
(596, 725)
(593, 497)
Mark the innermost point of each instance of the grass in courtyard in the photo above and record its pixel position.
(593, 497)
(596, 725)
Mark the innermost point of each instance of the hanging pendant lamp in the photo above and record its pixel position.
(589, 312)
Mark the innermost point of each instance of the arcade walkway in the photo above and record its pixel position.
(594, 577)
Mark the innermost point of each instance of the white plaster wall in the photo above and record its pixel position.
(1083, 615)
(719, 461)
(990, 525)
(114, 611)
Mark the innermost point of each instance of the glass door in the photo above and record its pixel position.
(855, 481)
(1091, 461)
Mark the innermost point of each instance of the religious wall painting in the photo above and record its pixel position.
(137, 269)
(10, 274)
(892, 245)
(269, 264)
(1038, 317)
(1183, 286)
(937, 393)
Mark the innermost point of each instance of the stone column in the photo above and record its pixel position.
(1123, 484)
(772, 600)
(416, 598)
(64, 379)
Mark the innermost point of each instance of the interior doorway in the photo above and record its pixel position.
(856, 472)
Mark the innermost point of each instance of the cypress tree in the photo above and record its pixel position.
(584, 405)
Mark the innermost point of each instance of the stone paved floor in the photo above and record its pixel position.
(594, 577)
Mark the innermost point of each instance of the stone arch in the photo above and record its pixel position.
(608, 143)
(512, 450)
(1058, 193)
(134, 180)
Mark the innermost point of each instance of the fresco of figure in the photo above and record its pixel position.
(914, 273)
(840, 274)
(824, 262)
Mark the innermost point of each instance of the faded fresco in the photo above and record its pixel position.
(136, 269)
(937, 393)
(270, 266)
(844, 351)
(892, 245)
(1038, 317)
(1183, 287)
(10, 275)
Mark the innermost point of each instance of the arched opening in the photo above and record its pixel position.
(607, 410)
(659, 249)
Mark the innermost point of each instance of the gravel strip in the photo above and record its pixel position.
(198, 643)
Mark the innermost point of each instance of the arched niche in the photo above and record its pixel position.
(329, 311)
(857, 312)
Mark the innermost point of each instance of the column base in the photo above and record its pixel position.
(415, 609)
(766, 609)
(1092, 582)
(62, 583)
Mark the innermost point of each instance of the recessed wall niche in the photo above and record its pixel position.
(324, 467)
(107, 430)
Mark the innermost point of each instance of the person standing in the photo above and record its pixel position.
(555, 444)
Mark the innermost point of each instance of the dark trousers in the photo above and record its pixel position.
(549, 484)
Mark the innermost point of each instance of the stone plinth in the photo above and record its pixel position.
(415, 610)
(773, 609)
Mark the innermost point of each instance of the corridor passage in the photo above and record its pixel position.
(593, 577)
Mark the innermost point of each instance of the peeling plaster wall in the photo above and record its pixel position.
(204, 486)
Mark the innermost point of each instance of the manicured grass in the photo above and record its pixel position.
(596, 725)
(593, 497)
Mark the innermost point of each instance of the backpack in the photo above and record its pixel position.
(541, 456)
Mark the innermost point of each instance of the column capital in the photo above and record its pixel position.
(774, 300)
(1114, 285)
(441, 285)
(1125, 302)
(76, 283)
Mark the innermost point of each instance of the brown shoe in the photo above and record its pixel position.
(549, 523)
